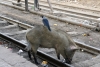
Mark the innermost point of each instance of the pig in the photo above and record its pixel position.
(40, 36)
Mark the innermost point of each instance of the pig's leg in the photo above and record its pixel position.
(67, 59)
(29, 54)
(35, 58)
(58, 54)
(34, 52)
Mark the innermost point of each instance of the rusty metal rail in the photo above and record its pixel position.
(76, 14)
(91, 49)
(51, 16)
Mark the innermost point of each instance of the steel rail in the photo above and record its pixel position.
(26, 26)
(88, 48)
(78, 7)
(51, 16)
(71, 13)
(65, 10)
(75, 14)
(30, 2)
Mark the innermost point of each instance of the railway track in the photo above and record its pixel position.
(86, 21)
(18, 38)
(64, 5)
(85, 50)
(50, 16)
(76, 12)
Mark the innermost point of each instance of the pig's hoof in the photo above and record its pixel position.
(37, 63)
(69, 62)
(66, 61)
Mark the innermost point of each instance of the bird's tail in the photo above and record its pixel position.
(46, 23)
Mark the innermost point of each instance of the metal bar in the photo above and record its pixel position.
(7, 38)
(12, 21)
(36, 5)
(52, 60)
(54, 17)
(26, 5)
(50, 5)
(91, 48)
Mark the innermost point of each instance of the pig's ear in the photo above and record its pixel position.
(72, 47)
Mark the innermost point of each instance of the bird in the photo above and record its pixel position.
(46, 22)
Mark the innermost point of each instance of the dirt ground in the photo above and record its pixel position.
(78, 33)
(89, 3)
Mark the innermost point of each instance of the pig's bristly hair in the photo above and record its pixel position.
(46, 22)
